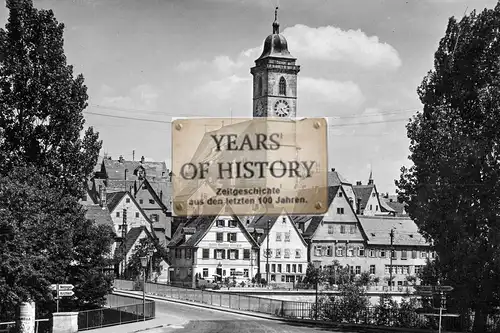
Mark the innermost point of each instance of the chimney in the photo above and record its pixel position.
(142, 159)
(121, 159)
(333, 169)
(358, 182)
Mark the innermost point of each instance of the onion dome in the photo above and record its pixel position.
(275, 44)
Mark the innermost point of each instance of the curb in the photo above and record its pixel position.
(269, 317)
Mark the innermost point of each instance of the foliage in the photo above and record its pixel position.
(385, 311)
(145, 245)
(453, 187)
(45, 159)
(350, 306)
(312, 275)
(41, 102)
(51, 242)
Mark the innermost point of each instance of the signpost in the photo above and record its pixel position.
(430, 291)
(62, 290)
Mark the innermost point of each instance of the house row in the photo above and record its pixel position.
(360, 230)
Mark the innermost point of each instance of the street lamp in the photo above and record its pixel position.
(144, 264)
(317, 267)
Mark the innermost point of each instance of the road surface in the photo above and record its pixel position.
(184, 318)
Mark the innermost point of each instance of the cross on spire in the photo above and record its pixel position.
(276, 25)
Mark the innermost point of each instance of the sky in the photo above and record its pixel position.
(361, 63)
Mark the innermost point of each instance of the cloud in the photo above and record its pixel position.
(141, 97)
(224, 89)
(190, 66)
(334, 44)
(331, 92)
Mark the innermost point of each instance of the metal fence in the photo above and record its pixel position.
(41, 326)
(306, 310)
(115, 315)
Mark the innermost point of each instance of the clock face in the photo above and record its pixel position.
(281, 108)
(260, 108)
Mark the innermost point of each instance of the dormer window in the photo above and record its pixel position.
(282, 86)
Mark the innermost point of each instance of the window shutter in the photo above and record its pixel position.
(229, 237)
(215, 254)
(223, 254)
(237, 254)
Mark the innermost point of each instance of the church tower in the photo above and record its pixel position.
(275, 78)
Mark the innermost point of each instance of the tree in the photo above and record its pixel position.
(145, 246)
(41, 103)
(453, 188)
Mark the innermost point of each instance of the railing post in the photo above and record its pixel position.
(239, 301)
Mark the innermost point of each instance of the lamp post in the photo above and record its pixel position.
(144, 264)
(317, 267)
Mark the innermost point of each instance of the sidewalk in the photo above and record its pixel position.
(141, 326)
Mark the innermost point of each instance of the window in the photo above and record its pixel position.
(141, 201)
(433, 255)
(382, 253)
(246, 254)
(283, 220)
(406, 269)
(268, 253)
(219, 223)
(299, 268)
(376, 207)
(372, 269)
(220, 254)
(287, 253)
(352, 229)
(206, 254)
(373, 194)
(151, 201)
(340, 251)
(393, 254)
(282, 278)
(418, 269)
(350, 252)
(287, 236)
(278, 236)
(342, 229)
(220, 237)
(231, 237)
(288, 268)
(117, 214)
(232, 271)
(330, 229)
(177, 253)
(282, 86)
(351, 269)
(404, 254)
(127, 200)
(233, 223)
(294, 268)
(361, 251)
(233, 254)
(188, 253)
(387, 270)
(154, 217)
(205, 272)
(351, 202)
(329, 251)
(340, 194)
(371, 207)
(317, 251)
(340, 210)
(84, 197)
(273, 268)
(414, 254)
(136, 214)
(371, 253)
(245, 272)
(358, 269)
(279, 268)
(424, 255)
(297, 253)
(278, 253)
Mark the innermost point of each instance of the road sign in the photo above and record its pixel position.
(66, 287)
(63, 293)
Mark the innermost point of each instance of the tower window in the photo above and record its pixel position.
(259, 86)
(282, 86)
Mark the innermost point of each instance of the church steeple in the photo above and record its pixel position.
(276, 25)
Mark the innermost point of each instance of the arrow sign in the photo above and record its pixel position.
(66, 287)
(63, 293)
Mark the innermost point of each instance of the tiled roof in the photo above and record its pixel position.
(384, 207)
(335, 178)
(98, 214)
(131, 238)
(260, 222)
(113, 199)
(316, 220)
(363, 192)
(116, 169)
(200, 224)
(398, 207)
(378, 230)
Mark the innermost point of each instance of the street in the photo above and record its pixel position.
(185, 318)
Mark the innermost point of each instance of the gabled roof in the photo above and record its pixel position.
(316, 220)
(115, 169)
(155, 195)
(378, 230)
(131, 237)
(363, 192)
(100, 215)
(398, 207)
(261, 223)
(113, 199)
(384, 207)
(335, 178)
